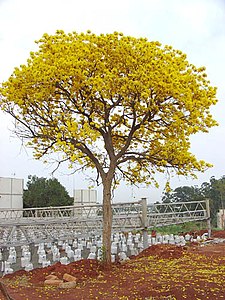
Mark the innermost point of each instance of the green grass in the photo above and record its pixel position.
(181, 228)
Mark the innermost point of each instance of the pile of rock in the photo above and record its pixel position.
(67, 282)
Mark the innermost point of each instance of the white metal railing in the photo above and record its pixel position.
(34, 224)
(120, 210)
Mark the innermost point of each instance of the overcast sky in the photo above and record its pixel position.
(194, 26)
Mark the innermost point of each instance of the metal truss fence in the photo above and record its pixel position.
(34, 225)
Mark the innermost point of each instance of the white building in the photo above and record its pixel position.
(221, 219)
(11, 193)
(85, 197)
(88, 200)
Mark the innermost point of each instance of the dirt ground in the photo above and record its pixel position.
(195, 271)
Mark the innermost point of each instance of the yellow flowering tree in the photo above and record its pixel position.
(124, 106)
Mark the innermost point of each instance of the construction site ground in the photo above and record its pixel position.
(195, 271)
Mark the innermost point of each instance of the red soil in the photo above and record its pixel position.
(159, 272)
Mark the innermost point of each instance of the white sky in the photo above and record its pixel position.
(197, 27)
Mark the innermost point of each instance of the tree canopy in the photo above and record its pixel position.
(43, 192)
(183, 194)
(215, 191)
(122, 105)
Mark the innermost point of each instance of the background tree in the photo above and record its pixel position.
(121, 105)
(183, 194)
(42, 192)
(215, 191)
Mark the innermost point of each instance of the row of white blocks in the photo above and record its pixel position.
(121, 245)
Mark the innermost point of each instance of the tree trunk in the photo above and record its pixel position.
(107, 219)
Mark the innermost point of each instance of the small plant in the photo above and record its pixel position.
(180, 228)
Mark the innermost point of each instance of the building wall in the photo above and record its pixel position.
(82, 197)
(11, 193)
(85, 198)
(221, 219)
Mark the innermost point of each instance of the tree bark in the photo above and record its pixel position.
(107, 219)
